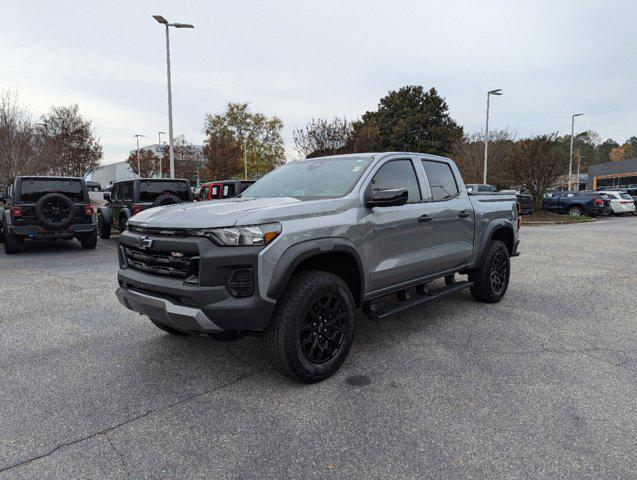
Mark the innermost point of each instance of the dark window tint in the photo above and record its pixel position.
(203, 195)
(31, 189)
(245, 185)
(441, 180)
(228, 190)
(215, 191)
(397, 174)
(127, 192)
(149, 191)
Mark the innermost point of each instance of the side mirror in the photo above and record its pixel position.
(107, 197)
(394, 197)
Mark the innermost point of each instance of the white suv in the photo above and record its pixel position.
(620, 202)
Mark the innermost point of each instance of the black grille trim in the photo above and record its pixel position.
(173, 264)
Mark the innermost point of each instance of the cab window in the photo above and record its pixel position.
(126, 192)
(398, 174)
(441, 180)
(203, 195)
(215, 191)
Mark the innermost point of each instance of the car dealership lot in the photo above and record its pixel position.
(541, 384)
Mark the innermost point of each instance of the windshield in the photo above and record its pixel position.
(150, 190)
(31, 189)
(328, 177)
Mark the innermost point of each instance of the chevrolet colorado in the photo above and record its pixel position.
(299, 251)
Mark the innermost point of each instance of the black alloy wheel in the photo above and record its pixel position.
(54, 210)
(499, 273)
(323, 330)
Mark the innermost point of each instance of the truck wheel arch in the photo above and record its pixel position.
(334, 255)
(500, 229)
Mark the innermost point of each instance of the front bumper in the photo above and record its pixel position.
(203, 307)
(175, 316)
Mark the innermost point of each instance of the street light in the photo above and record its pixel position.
(497, 91)
(137, 135)
(161, 155)
(163, 21)
(570, 158)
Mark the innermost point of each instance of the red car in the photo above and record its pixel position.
(222, 189)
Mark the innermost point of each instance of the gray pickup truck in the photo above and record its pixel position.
(299, 251)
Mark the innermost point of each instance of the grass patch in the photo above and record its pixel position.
(541, 217)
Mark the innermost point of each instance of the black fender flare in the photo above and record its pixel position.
(293, 256)
(103, 211)
(487, 235)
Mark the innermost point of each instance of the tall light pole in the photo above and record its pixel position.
(497, 91)
(570, 158)
(579, 160)
(164, 22)
(161, 154)
(137, 135)
(245, 158)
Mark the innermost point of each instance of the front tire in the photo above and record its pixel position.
(574, 211)
(313, 327)
(491, 280)
(104, 228)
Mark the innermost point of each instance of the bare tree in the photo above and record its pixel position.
(148, 163)
(322, 137)
(535, 164)
(189, 159)
(468, 153)
(17, 139)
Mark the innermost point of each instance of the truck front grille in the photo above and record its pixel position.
(173, 264)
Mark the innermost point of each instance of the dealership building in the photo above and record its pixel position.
(613, 175)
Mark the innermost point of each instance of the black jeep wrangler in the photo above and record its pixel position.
(130, 197)
(47, 208)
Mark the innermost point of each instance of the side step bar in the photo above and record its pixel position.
(420, 299)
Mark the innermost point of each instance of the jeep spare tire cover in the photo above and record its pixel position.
(166, 199)
(54, 210)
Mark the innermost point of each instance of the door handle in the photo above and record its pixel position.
(463, 214)
(424, 219)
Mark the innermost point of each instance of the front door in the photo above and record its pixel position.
(400, 246)
(453, 216)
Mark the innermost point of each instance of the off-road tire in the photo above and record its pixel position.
(484, 288)
(104, 228)
(166, 328)
(166, 199)
(89, 242)
(292, 311)
(11, 242)
(43, 202)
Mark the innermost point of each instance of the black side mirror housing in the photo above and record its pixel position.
(107, 197)
(394, 197)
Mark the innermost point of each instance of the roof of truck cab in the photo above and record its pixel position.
(47, 177)
(379, 154)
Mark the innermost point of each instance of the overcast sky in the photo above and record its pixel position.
(299, 60)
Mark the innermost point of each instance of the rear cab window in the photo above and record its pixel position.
(150, 190)
(442, 181)
(32, 189)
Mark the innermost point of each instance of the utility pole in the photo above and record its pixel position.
(137, 135)
(570, 157)
(579, 160)
(497, 91)
(161, 155)
(164, 22)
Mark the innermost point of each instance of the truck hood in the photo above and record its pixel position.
(225, 213)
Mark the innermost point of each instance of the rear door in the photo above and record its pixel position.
(401, 245)
(452, 215)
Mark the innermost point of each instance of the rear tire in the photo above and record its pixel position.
(491, 280)
(11, 242)
(166, 328)
(89, 242)
(313, 327)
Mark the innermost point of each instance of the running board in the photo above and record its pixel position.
(421, 298)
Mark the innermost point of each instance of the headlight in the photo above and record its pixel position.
(252, 235)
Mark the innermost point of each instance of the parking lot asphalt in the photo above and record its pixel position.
(540, 385)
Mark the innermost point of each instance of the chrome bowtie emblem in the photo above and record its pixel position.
(176, 254)
(145, 242)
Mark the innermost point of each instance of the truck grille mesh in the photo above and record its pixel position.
(179, 265)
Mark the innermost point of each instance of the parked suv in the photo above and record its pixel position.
(223, 189)
(309, 243)
(94, 186)
(129, 197)
(47, 208)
